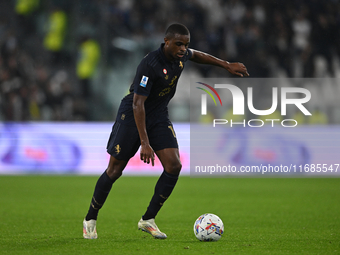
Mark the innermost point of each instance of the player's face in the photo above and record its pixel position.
(175, 48)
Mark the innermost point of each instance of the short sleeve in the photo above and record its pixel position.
(143, 80)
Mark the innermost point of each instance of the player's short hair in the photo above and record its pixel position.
(176, 29)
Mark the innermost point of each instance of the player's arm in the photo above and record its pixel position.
(204, 58)
(146, 152)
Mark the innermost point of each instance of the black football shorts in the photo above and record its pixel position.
(124, 140)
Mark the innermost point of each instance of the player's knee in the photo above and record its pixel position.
(175, 168)
(113, 173)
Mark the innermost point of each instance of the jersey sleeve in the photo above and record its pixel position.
(143, 80)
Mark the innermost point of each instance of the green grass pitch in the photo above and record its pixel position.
(43, 215)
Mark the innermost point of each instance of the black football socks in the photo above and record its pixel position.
(163, 189)
(101, 191)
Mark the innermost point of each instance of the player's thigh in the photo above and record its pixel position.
(162, 136)
(163, 140)
(115, 168)
(170, 160)
(123, 142)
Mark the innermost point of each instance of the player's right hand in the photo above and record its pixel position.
(147, 154)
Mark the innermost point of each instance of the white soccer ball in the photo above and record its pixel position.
(208, 227)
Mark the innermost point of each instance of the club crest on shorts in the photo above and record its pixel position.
(118, 149)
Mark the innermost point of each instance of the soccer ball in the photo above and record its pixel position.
(208, 227)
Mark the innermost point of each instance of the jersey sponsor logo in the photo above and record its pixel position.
(144, 81)
(172, 83)
(164, 92)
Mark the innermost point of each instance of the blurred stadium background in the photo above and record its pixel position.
(72, 61)
(49, 73)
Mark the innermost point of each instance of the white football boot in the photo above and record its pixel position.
(150, 227)
(89, 229)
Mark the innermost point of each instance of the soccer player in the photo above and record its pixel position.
(143, 121)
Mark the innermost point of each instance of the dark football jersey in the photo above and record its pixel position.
(156, 78)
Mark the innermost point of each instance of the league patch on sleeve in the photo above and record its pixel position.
(144, 81)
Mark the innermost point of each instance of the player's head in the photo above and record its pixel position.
(177, 39)
(176, 29)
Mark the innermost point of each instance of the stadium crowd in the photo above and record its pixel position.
(41, 44)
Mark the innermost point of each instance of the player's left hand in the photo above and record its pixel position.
(237, 69)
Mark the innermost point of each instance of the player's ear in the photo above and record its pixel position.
(166, 41)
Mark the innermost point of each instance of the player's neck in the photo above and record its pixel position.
(167, 56)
